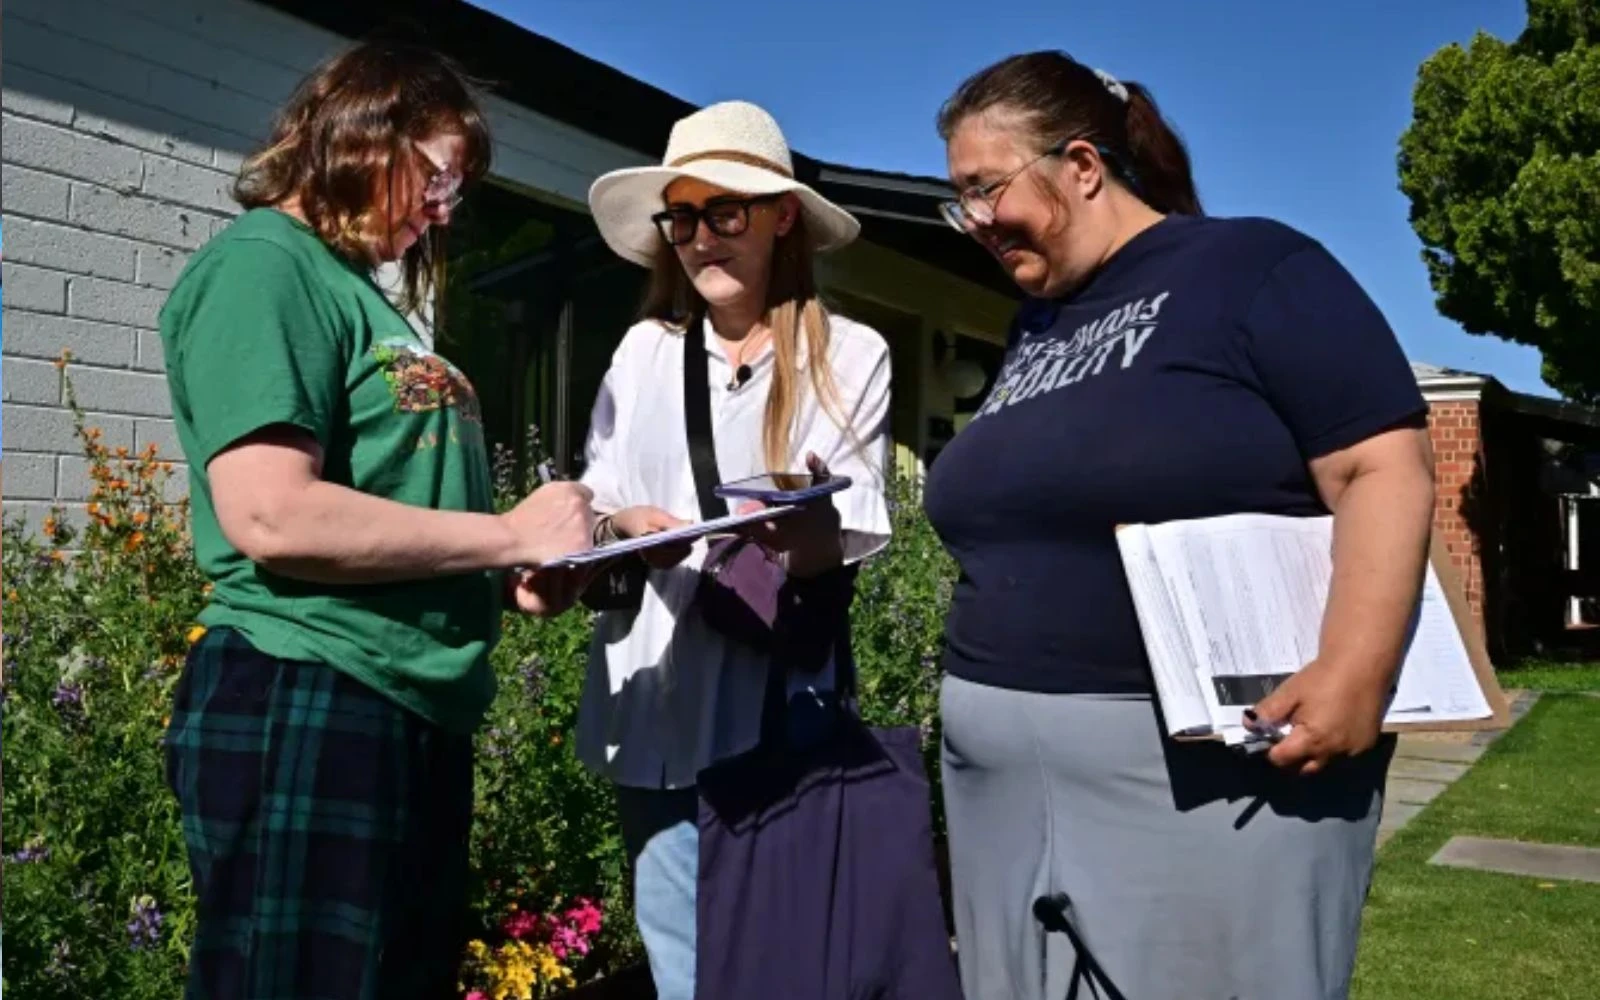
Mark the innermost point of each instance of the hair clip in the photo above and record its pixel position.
(1113, 84)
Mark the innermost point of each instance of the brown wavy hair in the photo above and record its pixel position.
(798, 321)
(343, 147)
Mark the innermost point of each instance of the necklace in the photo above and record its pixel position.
(742, 371)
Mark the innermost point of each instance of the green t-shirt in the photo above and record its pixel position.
(267, 326)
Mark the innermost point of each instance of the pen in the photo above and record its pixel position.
(1263, 733)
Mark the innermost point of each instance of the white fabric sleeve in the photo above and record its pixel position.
(862, 375)
(603, 472)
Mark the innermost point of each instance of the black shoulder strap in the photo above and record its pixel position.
(697, 420)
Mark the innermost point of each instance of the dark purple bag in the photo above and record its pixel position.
(817, 874)
(738, 593)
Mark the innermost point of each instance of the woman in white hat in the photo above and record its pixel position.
(729, 236)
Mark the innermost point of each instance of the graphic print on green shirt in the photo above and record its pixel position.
(267, 326)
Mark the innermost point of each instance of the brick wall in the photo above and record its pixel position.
(1457, 440)
(123, 123)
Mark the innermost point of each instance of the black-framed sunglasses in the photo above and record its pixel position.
(726, 217)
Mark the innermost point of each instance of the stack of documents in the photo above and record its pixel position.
(1232, 606)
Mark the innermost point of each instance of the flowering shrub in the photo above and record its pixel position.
(535, 955)
(98, 613)
(96, 620)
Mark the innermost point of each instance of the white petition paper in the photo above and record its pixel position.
(1242, 596)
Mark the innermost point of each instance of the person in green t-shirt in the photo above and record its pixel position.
(320, 743)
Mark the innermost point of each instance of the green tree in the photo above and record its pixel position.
(1502, 167)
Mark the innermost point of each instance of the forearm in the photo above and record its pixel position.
(326, 533)
(1381, 528)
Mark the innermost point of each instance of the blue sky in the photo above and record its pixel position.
(1291, 110)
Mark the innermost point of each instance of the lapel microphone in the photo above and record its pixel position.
(741, 375)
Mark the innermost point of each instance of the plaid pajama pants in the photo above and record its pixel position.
(326, 829)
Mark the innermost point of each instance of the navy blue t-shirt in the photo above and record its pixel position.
(1194, 375)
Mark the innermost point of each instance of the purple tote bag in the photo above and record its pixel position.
(817, 874)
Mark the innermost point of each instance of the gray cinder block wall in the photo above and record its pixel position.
(124, 122)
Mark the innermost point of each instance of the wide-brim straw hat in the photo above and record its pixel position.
(733, 145)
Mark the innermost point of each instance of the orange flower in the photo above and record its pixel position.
(56, 555)
(134, 541)
(140, 517)
(63, 359)
(93, 433)
(121, 452)
(94, 509)
(50, 526)
(118, 484)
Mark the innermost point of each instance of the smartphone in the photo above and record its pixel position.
(782, 488)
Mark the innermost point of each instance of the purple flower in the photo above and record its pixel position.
(532, 674)
(144, 929)
(494, 743)
(34, 850)
(68, 696)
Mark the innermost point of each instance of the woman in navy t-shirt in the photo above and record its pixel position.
(1165, 365)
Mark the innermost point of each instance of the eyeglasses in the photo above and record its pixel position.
(975, 207)
(443, 184)
(725, 217)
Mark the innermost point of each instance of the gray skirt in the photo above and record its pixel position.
(1193, 871)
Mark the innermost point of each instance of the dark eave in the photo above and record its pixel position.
(898, 211)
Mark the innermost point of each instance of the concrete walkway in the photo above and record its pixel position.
(1562, 862)
(1426, 763)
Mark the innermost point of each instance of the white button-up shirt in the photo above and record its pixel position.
(666, 695)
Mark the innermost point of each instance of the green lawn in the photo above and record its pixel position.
(1544, 675)
(1434, 932)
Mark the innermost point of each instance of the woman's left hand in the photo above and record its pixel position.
(1335, 712)
(548, 593)
(811, 535)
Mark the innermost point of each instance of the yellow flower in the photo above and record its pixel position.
(195, 634)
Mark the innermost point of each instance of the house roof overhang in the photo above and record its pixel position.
(899, 211)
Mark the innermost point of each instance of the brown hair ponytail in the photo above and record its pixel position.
(1058, 98)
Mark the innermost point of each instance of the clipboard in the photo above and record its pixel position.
(687, 533)
(1499, 717)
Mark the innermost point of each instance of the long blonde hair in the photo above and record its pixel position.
(795, 315)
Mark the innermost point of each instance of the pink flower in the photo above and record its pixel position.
(566, 940)
(585, 917)
(477, 995)
(519, 925)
